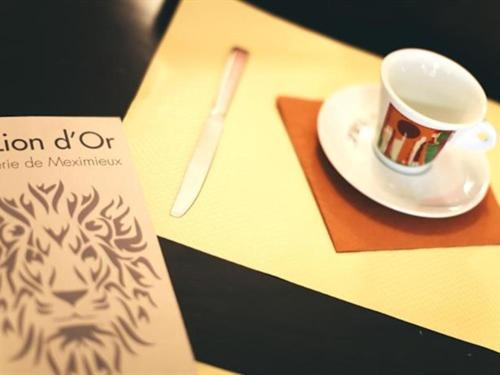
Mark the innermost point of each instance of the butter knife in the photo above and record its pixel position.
(206, 147)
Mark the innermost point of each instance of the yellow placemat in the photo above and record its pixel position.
(256, 208)
(205, 369)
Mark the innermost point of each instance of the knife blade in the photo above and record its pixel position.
(204, 152)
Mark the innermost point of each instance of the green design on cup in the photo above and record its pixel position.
(434, 148)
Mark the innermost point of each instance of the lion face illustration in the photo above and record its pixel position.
(74, 281)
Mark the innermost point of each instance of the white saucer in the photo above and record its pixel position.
(455, 183)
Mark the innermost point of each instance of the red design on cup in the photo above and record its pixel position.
(407, 143)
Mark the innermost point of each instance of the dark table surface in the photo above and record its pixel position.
(84, 57)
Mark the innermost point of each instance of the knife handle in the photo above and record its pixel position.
(231, 76)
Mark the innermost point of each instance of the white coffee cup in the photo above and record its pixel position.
(428, 101)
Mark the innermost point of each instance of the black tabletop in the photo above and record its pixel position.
(84, 57)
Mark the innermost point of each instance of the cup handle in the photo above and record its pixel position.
(480, 137)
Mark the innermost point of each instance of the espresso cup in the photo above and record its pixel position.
(428, 102)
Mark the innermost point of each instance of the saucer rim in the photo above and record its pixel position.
(321, 128)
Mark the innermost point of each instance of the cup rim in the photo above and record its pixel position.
(413, 114)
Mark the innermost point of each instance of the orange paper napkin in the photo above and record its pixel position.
(355, 222)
